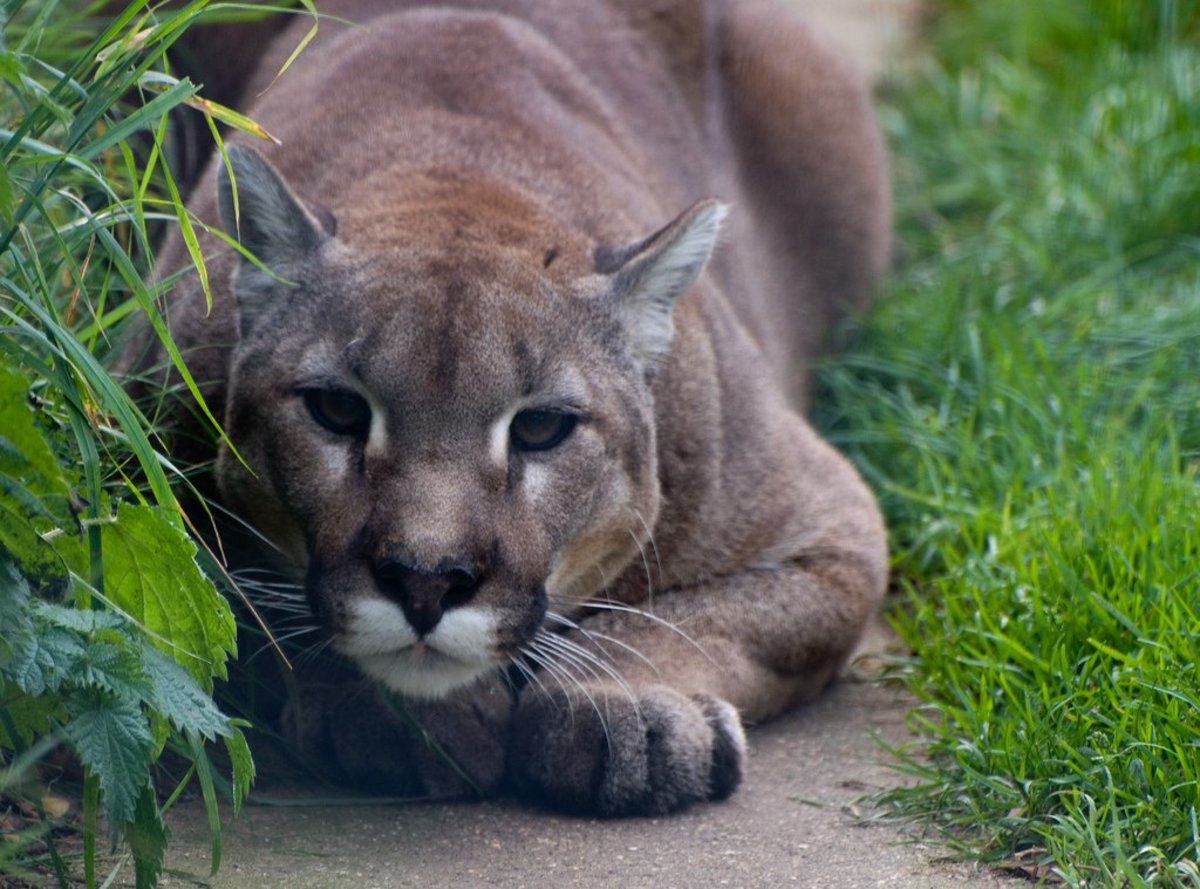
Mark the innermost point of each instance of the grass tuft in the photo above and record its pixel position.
(113, 636)
(1026, 400)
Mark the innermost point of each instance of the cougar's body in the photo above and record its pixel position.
(494, 406)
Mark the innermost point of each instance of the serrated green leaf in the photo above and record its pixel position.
(243, 763)
(151, 574)
(15, 599)
(147, 835)
(113, 739)
(46, 662)
(113, 667)
(77, 619)
(175, 695)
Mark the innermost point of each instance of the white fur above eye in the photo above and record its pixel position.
(460, 648)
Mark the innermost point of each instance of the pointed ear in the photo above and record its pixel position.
(267, 218)
(270, 221)
(649, 275)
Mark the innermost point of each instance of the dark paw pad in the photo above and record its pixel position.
(729, 746)
(607, 753)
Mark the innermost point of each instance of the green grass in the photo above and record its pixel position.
(1026, 399)
(113, 635)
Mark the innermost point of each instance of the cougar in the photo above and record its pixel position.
(512, 358)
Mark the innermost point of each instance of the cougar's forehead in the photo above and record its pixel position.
(466, 334)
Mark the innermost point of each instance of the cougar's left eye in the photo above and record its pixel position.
(541, 430)
(339, 411)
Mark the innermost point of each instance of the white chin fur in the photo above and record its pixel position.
(379, 638)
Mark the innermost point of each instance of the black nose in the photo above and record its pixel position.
(425, 596)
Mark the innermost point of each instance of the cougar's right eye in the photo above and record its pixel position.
(339, 411)
(541, 430)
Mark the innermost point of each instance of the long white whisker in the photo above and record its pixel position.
(577, 656)
(607, 605)
(280, 638)
(571, 654)
(297, 631)
(541, 660)
(258, 571)
(650, 537)
(315, 651)
(645, 566)
(600, 657)
(531, 675)
(585, 660)
(595, 638)
(555, 672)
(234, 517)
(549, 662)
(270, 592)
(277, 587)
(268, 603)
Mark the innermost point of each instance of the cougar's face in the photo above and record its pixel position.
(441, 448)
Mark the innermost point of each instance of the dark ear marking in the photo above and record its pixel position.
(607, 259)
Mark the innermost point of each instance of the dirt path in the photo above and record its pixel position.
(796, 822)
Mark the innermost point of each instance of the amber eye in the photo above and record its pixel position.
(541, 430)
(339, 411)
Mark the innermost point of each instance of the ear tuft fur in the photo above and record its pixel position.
(650, 275)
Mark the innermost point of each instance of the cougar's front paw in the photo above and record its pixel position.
(455, 746)
(613, 754)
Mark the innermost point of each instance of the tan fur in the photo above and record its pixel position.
(495, 177)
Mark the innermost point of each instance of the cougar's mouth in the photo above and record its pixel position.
(428, 673)
(458, 649)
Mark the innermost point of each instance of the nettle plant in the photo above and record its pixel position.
(113, 632)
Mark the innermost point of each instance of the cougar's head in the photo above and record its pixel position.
(444, 411)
